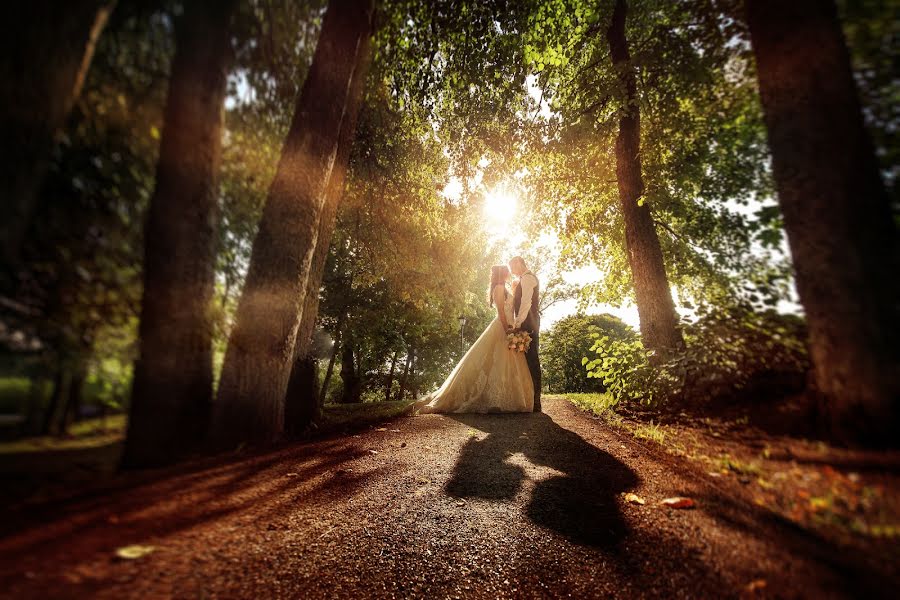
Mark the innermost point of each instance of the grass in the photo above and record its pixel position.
(89, 433)
(599, 404)
(726, 462)
(336, 416)
(652, 432)
(14, 394)
(603, 406)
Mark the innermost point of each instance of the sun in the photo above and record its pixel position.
(500, 205)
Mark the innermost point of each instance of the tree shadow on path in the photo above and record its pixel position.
(577, 498)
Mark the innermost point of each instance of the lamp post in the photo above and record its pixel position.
(462, 325)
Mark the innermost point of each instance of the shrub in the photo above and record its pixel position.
(729, 353)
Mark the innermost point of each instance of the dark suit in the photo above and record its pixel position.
(531, 324)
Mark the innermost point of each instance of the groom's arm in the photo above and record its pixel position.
(528, 282)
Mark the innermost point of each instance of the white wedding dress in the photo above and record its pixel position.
(489, 378)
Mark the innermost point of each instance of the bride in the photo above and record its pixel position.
(490, 377)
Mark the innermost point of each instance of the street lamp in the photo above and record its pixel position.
(462, 325)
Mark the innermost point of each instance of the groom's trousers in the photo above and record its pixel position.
(532, 357)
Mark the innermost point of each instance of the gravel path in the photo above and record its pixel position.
(486, 506)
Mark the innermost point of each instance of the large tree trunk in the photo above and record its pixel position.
(390, 378)
(47, 51)
(302, 401)
(172, 391)
(659, 322)
(836, 211)
(261, 349)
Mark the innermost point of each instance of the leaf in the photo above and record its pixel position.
(134, 551)
(678, 502)
(634, 498)
(756, 584)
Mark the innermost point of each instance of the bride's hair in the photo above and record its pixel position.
(499, 275)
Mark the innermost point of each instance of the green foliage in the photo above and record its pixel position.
(565, 346)
(730, 353)
(703, 148)
(872, 32)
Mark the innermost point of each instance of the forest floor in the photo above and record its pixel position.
(481, 506)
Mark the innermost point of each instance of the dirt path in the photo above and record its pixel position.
(432, 506)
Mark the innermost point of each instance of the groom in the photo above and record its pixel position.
(527, 318)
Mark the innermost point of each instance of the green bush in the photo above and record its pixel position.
(564, 346)
(729, 353)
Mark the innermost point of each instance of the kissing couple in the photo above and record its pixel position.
(501, 372)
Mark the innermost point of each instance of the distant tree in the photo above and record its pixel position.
(260, 353)
(843, 239)
(569, 340)
(43, 65)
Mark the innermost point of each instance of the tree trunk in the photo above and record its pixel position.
(659, 322)
(304, 383)
(172, 391)
(843, 240)
(352, 387)
(261, 349)
(43, 65)
(58, 396)
(412, 374)
(73, 398)
(328, 373)
(402, 391)
(390, 378)
(302, 402)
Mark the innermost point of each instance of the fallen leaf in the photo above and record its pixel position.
(756, 584)
(134, 551)
(678, 502)
(634, 498)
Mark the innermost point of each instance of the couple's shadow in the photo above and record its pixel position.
(578, 498)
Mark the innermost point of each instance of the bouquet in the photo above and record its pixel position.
(518, 340)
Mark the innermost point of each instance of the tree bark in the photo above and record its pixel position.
(58, 395)
(303, 383)
(352, 388)
(328, 373)
(390, 378)
(302, 402)
(659, 321)
(402, 391)
(43, 65)
(837, 215)
(172, 390)
(260, 353)
(73, 398)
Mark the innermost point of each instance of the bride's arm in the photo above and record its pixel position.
(499, 303)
